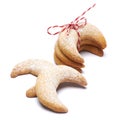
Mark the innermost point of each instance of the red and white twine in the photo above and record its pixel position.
(76, 24)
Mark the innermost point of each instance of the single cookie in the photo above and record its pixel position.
(68, 45)
(49, 76)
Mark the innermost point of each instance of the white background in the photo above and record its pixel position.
(23, 35)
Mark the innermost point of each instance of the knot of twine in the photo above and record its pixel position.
(76, 24)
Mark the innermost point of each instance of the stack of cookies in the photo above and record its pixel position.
(68, 46)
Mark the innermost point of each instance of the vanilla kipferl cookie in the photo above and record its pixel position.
(49, 76)
(67, 48)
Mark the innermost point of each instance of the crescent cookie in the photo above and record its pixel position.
(68, 48)
(49, 76)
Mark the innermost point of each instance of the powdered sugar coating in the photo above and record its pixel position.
(49, 76)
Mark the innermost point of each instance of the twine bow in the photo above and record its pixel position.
(76, 24)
